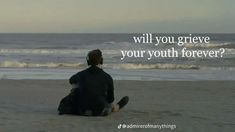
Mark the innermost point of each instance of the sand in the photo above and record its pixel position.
(192, 106)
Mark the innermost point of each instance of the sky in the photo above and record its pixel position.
(117, 16)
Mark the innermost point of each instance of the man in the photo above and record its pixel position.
(93, 94)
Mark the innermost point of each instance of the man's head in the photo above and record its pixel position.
(94, 57)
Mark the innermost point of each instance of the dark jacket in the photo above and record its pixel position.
(94, 89)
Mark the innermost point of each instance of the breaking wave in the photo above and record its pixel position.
(210, 45)
(51, 51)
(17, 64)
(40, 51)
(154, 66)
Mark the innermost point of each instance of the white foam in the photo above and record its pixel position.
(204, 45)
(154, 66)
(229, 51)
(17, 64)
(52, 51)
(41, 51)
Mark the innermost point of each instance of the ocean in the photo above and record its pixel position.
(59, 56)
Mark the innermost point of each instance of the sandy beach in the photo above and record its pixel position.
(193, 106)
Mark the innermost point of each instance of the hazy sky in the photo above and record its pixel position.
(117, 16)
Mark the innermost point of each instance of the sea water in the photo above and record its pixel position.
(58, 56)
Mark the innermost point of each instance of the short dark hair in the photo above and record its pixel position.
(94, 57)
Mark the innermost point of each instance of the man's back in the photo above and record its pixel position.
(95, 89)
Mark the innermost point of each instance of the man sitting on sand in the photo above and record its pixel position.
(94, 91)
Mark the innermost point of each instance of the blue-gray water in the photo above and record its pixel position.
(58, 56)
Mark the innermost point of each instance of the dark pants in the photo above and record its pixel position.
(71, 104)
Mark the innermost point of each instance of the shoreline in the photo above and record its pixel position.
(145, 75)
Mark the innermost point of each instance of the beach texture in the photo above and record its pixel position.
(193, 106)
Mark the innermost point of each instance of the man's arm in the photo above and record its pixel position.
(74, 79)
(110, 92)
